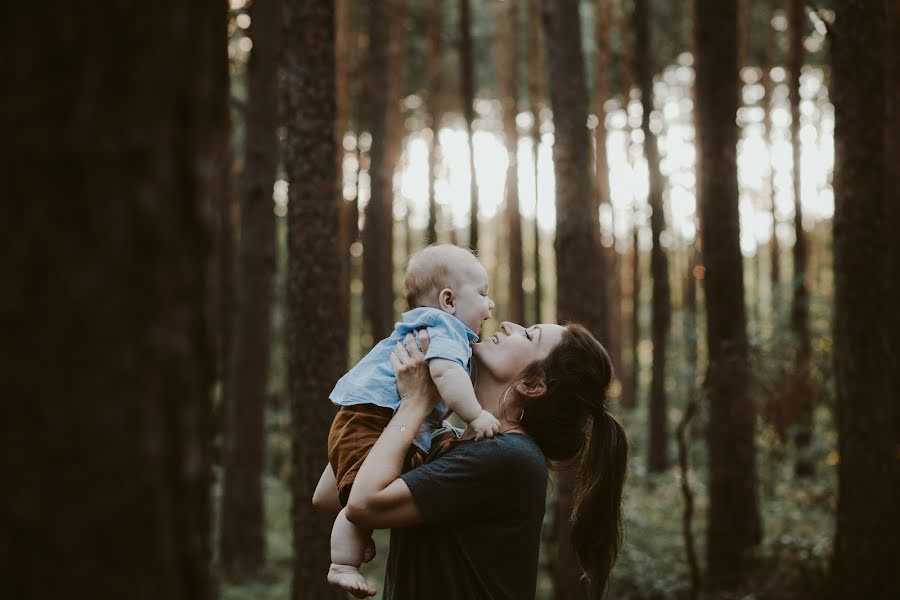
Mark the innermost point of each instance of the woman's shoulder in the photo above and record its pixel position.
(515, 453)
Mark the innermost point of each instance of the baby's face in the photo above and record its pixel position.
(473, 305)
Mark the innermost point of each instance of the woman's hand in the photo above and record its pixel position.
(414, 383)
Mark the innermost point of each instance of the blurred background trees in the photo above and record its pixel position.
(707, 185)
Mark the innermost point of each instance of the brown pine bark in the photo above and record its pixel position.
(108, 362)
(508, 75)
(313, 276)
(866, 555)
(579, 259)
(467, 95)
(435, 19)
(242, 541)
(535, 94)
(377, 235)
(734, 521)
(344, 39)
(803, 465)
(657, 456)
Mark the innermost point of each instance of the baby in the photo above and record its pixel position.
(446, 289)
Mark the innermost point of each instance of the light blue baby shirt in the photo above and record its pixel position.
(372, 380)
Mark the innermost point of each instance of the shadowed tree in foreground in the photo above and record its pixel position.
(314, 274)
(866, 557)
(242, 541)
(734, 522)
(119, 114)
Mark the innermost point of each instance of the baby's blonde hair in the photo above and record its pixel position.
(430, 270)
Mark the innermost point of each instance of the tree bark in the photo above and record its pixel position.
(579, 258)
(768, 88)
(344, 39)
(535, 93)
(115, 130)
(467, 92)
(243, 540)
(313, 276)
(658, 455)
(435, 18)
(734, 521)
(378, 233)
(866, 556)
(508, 75)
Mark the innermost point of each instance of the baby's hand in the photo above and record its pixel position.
(484, 425)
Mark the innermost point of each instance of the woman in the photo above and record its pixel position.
(467, 525)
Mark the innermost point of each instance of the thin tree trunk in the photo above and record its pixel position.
(535, 87)
(242, 541)
(734, 522)
(114, 162)
(378, 234)
(657, 456)
(579, 257)
(313, 275)
(866, 556)
(434, 114)
(467, 91)
(767, 103)
(803, 465)
(508, 75)
(613, 326)
(344, 37)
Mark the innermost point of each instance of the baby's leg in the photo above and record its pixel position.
(348, 550)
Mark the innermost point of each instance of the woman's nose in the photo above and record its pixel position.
(510, 328)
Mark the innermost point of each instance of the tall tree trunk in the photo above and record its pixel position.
(344, 37)
(866, 556)
(734, 522)
(767, 103)
(105, 268)
(434, 113)
(657, 456)
(535, 87)
(313, 275)
(242, 540)
(467, 92)
(378, 233)
(579, 257)
(508, 75)
(613, 341)
(803, 465)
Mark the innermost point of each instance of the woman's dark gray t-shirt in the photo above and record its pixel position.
(484, 505)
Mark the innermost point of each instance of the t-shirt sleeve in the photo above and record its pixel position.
(476, 479)
(448, 340)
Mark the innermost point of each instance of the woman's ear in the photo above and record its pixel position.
(531, 387)
(447, 301)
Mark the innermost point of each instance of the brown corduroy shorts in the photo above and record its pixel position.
(353, 432)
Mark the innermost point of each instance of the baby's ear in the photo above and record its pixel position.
(531, 387)
(447, 301)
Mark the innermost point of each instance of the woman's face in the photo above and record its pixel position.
(514, 347)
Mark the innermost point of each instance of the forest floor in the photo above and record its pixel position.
(797, 517)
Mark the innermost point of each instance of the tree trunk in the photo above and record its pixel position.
(434, 113)
(242, 541)
(803, 465)
(313, 275)
(467, 91)
(535, 87)
(657, 456)
(579, 257)
(378, 233)
(613, 325)
(508, 76)
(768, 88)
(344, 38)
(115, 130)
(734, 521)
(866, 556)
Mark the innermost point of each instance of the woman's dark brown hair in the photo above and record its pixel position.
(568, 418)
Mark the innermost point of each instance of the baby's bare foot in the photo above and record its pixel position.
(350, 579)
(370, 551)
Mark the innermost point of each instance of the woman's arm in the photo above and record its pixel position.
(379, 498)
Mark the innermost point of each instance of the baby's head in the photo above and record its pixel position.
(451, 279)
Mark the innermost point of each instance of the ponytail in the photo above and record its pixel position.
(597, 514)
